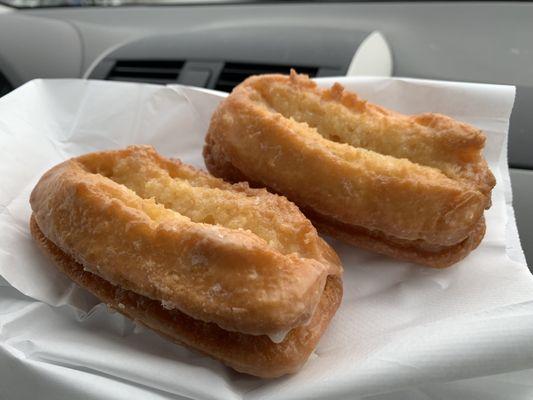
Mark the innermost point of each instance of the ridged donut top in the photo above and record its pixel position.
(419, 177)
(242, 258)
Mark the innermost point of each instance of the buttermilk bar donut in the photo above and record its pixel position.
(236, 273)
(411, 187)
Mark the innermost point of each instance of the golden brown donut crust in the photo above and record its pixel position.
(256, 355)
(418, 252)
(174, 234)
(419, 181)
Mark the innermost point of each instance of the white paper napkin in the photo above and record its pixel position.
(403, 331)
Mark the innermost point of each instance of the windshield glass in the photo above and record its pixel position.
(114, 3)
(106, 3)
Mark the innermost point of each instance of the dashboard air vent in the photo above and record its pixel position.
(234, 73)
(152, 71)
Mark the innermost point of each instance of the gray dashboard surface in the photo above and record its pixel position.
(468, 41)
(522, 182)
(465, 41)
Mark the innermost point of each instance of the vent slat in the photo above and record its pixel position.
(228, 82)
(234, 73)
(140, 80)
(142, 70)
(251, 71)
(159, 72)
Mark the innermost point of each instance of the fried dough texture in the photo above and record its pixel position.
(412, 187)
(215, 266)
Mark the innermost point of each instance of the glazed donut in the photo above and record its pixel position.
(237, 273)
(411, 187)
